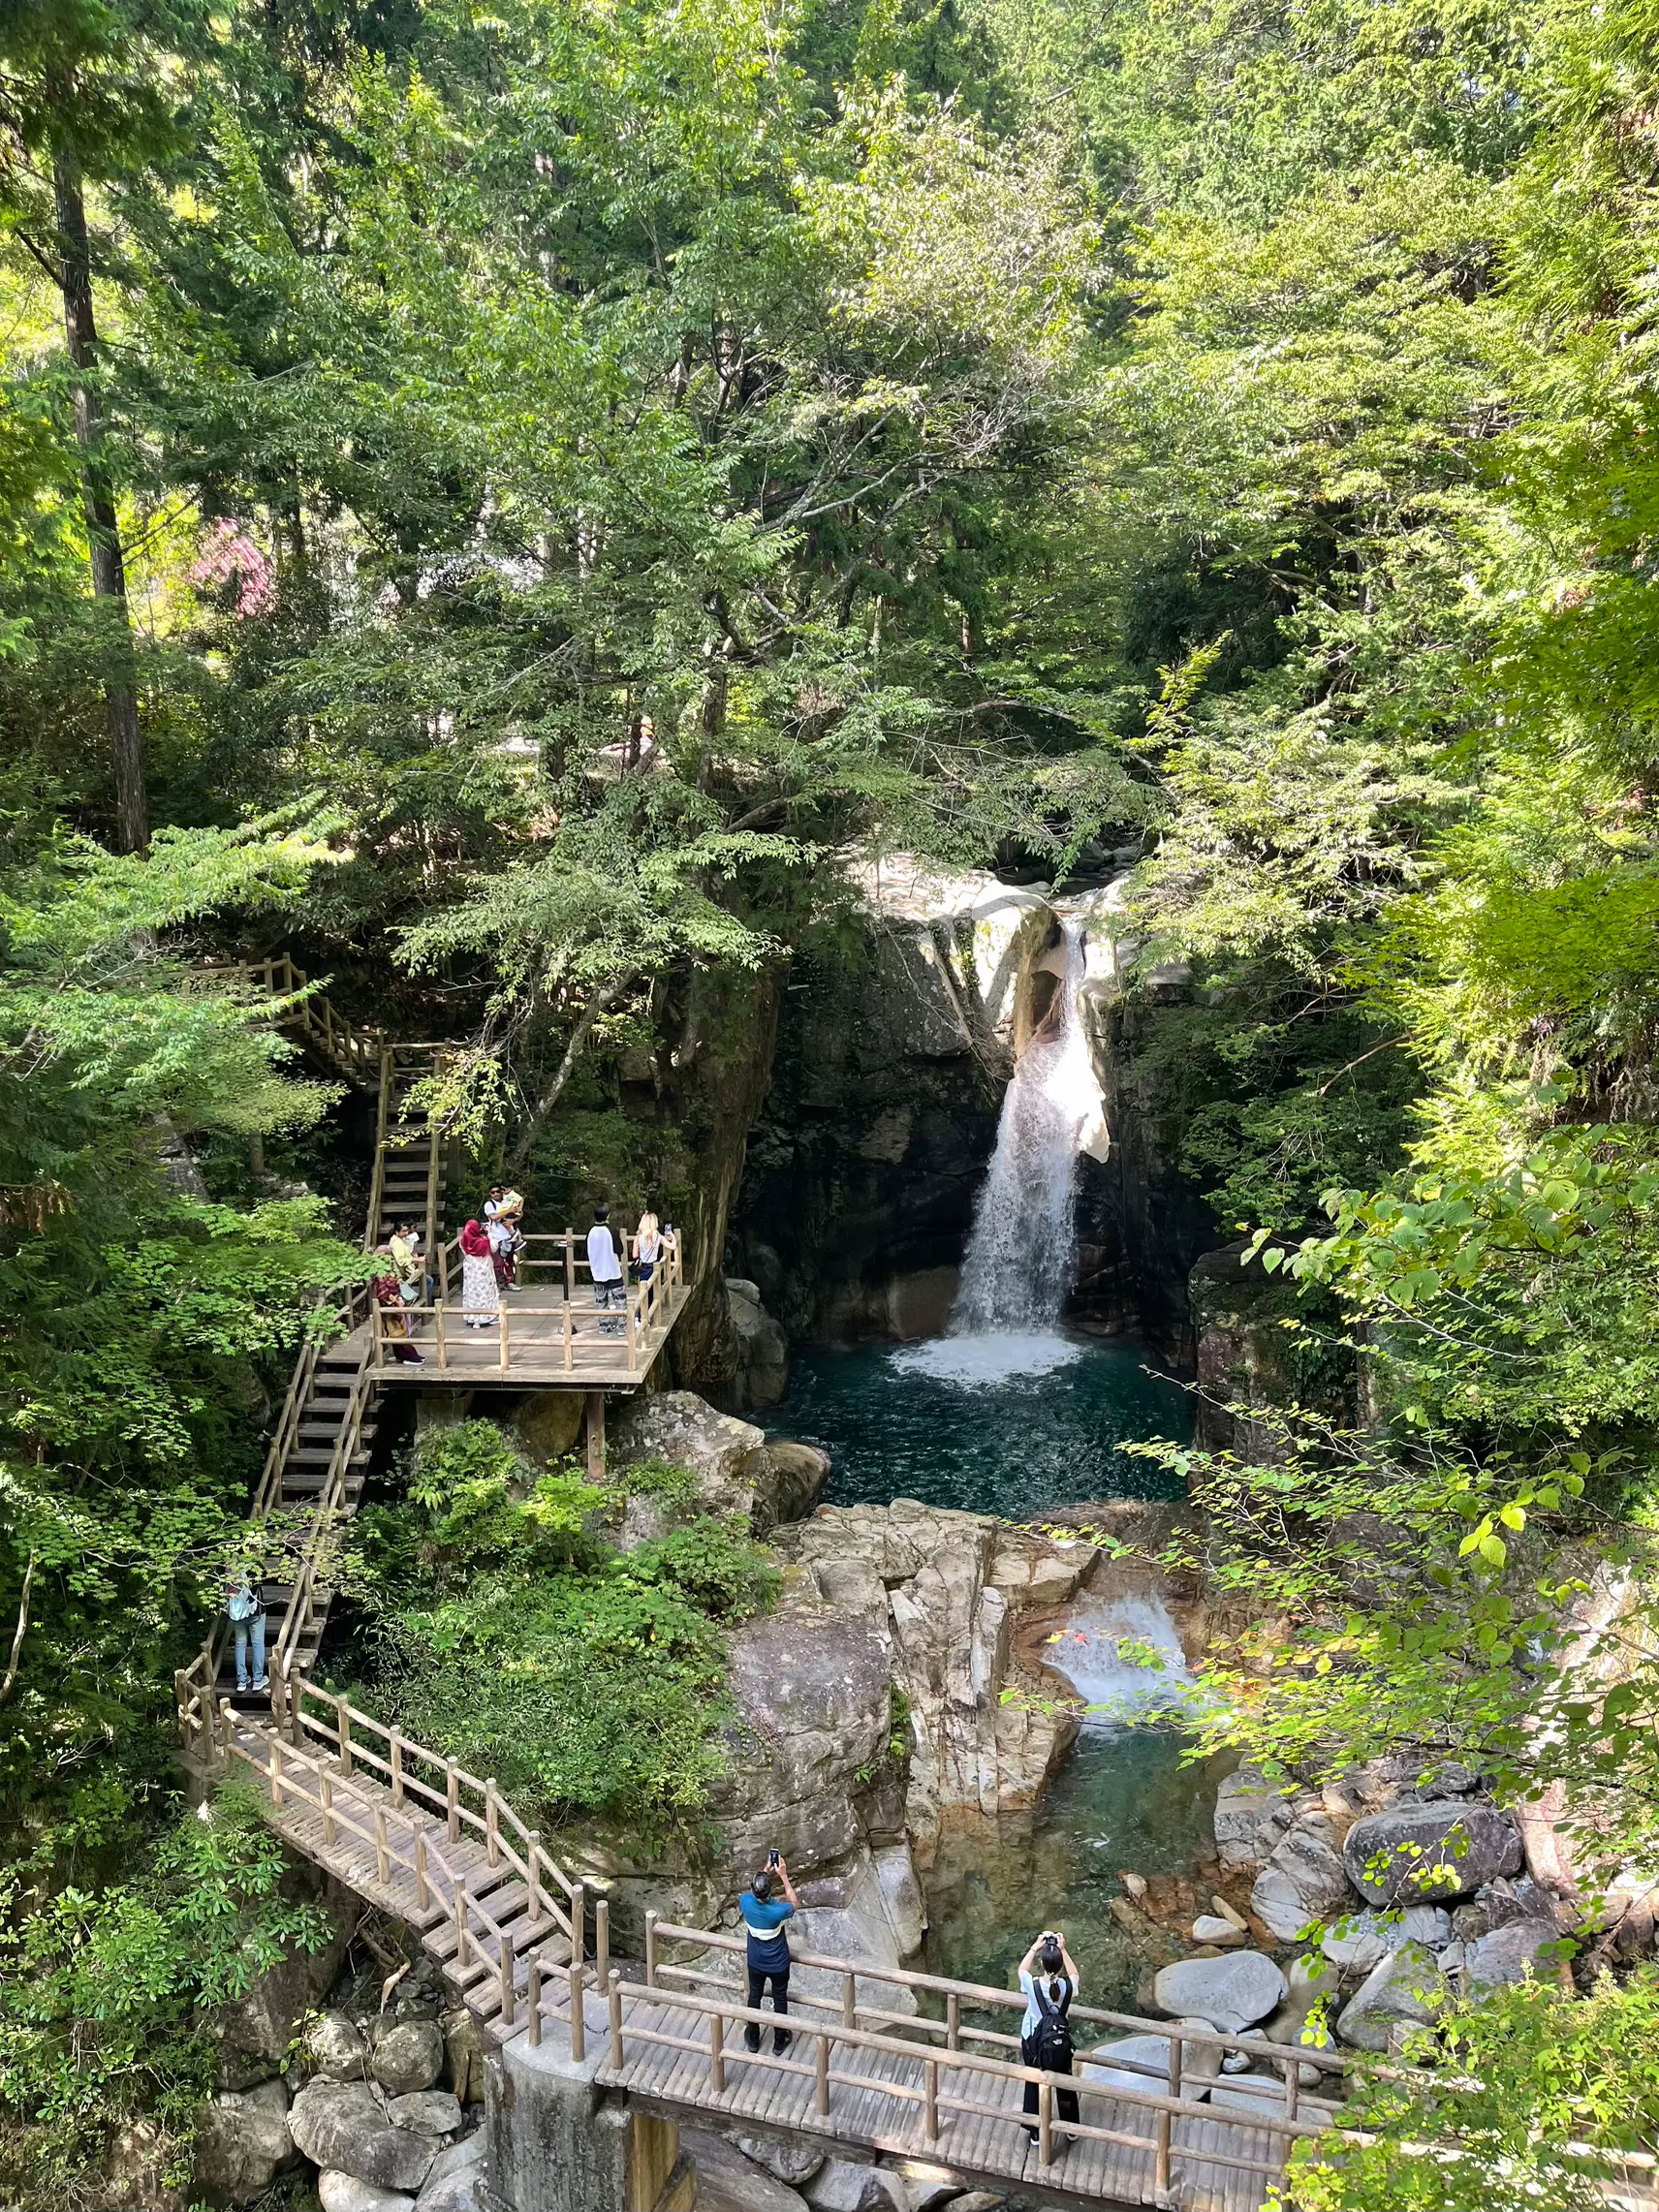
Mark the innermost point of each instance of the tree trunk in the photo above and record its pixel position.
(103, 529)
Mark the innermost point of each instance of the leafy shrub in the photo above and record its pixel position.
(101, 1995)
(588, 1683)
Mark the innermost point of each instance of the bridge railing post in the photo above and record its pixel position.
(615, 1994)
(422, 1892)
(1161, 2157)
(504, 1967)
(601, 1942)
(325, 1791)
(650, 1950)
(849, 2001)
(451, 1801)
(535, 2022)
(382, 1858)
(717, 2052)
(491, 1823)
(931, 2099)
(953, 2022)
(533, 1874)
(821, 2074)
(1045, 2122)
(577, 2019)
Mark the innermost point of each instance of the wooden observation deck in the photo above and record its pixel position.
(553, 1335)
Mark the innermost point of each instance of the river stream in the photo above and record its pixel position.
(1015, 1425)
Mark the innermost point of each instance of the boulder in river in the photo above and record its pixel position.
(407, 2055)
(1230, 1992)
(1429, 1854)
(1251, 1817)
(1200, 2063)
(729, 2182)
(1403, 1990)
(1304, 1879)
(1507, 1954)
(1360, 1939)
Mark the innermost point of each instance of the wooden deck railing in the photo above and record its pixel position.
(288, 1769)
(939, 2046)
(643, 1319)
(301, 1004)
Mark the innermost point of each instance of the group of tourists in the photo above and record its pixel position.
(1048, 1982)
(490, 1248)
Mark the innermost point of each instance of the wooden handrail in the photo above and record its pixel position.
(457, 1812)
(982, 1995)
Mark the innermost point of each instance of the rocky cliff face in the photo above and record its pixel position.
(868, 1720)
(868, 1156)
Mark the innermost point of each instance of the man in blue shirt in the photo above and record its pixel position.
(763, 1917)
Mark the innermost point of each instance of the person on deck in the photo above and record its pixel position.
(763, 1917)
(388, 1289)
(1045, 2037)
(480, 1297)
(606, 1268)
(414, 1284)
(244, 1604)
(501, 1214)
(647, 1246)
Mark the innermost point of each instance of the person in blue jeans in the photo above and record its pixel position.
(763, 1917)
(244, 1602)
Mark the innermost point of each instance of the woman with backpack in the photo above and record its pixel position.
(1045, 2032)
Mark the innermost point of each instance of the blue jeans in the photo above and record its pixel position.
(245, 1629)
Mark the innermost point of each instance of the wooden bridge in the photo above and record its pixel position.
(441, 1849)
(552, 1336)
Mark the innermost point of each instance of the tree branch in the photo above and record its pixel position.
(22, 1630)
(531, 1127)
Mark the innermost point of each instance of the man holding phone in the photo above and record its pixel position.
(763, 1917)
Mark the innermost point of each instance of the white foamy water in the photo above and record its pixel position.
(1022, 1253)
(987, 1361)
(1123, 1655)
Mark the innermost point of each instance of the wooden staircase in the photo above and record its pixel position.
(414, 1835)
(319, 1451)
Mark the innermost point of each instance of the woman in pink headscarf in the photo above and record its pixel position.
(479, 1294)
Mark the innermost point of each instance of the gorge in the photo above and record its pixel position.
(962, 697)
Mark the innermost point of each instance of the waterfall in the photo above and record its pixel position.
(1123, 1655)
(1022, 1255)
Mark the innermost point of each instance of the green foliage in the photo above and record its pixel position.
(505, 1635)
(102, 1995)
(1527, 2089)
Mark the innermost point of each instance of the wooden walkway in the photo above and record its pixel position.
(442, 1851)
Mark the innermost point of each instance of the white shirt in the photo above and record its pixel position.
(602, 1258)
(1033, 2019)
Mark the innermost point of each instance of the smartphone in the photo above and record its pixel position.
(772, 1857)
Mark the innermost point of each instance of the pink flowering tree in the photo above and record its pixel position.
(231, 558)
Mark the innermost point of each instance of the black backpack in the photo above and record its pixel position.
(1051, 2044)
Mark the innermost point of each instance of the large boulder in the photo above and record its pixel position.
(792, 2161)
(345, 2193)
(760, 1351)
(254, 2033)
(841, 2185)
(455, 2158)
(434, 2112)
(1108, 2063)
(340, 2126)
(462, 2190)
(242, 2143)
(729, 2182)
(1304, 1879)
(1429, 1854)
(1402, 1991)
(335, 2047)
(1251, 1817)
(1360, 1939)
(1230, 1992)
(407, 2055)
(735, 1470)
(1507, 1953)
(813, 1697)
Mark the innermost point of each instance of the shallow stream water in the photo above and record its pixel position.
(1016, 1426)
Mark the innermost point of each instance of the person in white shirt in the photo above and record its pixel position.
(606, 1268)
